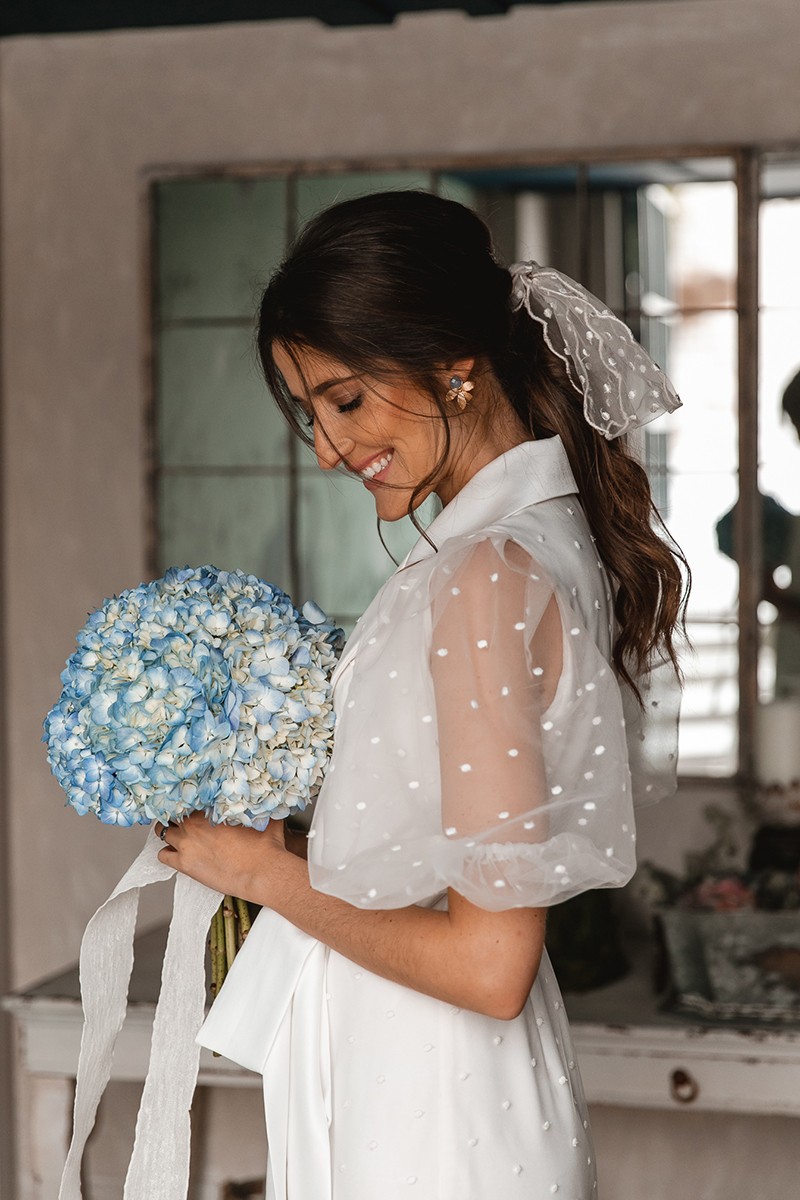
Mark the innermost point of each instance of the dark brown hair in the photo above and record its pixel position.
(407, 282)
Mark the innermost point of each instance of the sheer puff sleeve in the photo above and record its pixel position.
(503, 771)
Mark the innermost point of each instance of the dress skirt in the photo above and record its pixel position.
(432, 1102)
(373, 1091)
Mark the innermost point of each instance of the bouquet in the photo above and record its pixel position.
(205, 691)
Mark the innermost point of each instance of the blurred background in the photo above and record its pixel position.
(155, 162)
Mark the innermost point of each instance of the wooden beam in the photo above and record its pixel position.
(747, 529)
(8, 1190)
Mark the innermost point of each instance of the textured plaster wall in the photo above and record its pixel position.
(81, 117)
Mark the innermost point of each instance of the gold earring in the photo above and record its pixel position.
(459, 393)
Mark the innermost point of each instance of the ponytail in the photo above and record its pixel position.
(650, 572)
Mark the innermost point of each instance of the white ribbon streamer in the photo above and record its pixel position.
(159, 1166)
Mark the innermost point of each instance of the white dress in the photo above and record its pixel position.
(481, 744)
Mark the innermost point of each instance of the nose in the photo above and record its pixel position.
(328, 454)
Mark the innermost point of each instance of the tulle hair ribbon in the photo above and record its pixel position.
(622, 387)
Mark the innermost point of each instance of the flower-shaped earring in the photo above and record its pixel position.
(459, 393)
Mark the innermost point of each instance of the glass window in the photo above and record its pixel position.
(656, 239)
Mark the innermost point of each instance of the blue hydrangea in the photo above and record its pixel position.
(203, 691)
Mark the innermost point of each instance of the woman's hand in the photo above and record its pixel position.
(484, 961)
(231, 859)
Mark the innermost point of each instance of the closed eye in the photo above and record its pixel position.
(351, 406)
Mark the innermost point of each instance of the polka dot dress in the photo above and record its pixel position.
(482, 744)
(433, 1101)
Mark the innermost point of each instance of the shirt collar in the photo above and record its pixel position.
(525, 475)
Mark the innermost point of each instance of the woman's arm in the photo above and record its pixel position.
(474, 959)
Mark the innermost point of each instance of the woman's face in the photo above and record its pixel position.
(390, 435)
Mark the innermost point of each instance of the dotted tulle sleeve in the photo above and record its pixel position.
(482, 744)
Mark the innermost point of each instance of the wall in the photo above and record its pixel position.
(82, 117)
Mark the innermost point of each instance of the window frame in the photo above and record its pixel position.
(747, 160)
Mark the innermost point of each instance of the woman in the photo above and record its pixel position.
(395, 991)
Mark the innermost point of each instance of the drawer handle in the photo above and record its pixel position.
(683, 1087)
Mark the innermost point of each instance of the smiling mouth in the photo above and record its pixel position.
(377, 466)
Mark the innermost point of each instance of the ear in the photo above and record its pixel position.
(463, 368)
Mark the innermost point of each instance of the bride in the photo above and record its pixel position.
(492, 715)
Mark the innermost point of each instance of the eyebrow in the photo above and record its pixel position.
(329, 383)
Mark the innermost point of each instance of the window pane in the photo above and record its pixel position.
(779, 259)
(214, 409)
(779, 440)
(685, 327)
(343, 563)
(217, 242)
(701, 359)
(231, 522)
(702, 251)
(454, 187)
(710, 700)
(779, 435)
(315, 192)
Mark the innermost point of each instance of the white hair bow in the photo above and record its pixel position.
(622, 387)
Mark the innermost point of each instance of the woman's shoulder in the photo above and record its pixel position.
(552, 538)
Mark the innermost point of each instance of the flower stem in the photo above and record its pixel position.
(244, 919)
(216, 946)
(229, 921)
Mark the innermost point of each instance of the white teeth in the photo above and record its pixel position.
(376, 467)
